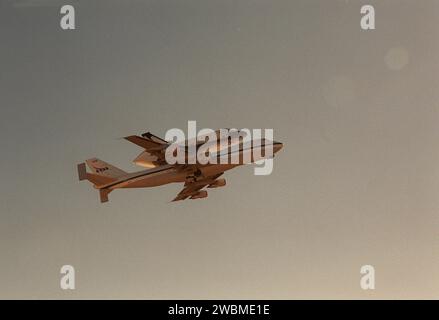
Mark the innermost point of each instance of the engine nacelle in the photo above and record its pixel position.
(147, 160)
(217, 183)
(199, 195)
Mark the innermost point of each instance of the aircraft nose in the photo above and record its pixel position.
(277, 146)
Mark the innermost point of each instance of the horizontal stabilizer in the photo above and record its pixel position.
(103, 194)
(82, 171)
(101, 175)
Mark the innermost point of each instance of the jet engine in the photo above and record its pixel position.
(199, 195)
(147, 160)
(217, 183)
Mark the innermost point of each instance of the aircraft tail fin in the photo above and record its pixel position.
(97, 179)
(103, 194)
(104, 169)
(102, 174)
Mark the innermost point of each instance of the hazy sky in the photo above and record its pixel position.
(356, 183)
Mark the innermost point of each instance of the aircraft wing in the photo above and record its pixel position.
(154, 146)
(148, 141)
(193, 189)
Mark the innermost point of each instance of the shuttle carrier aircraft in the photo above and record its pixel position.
(195, 177)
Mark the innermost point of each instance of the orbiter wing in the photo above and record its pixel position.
(155, 147)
